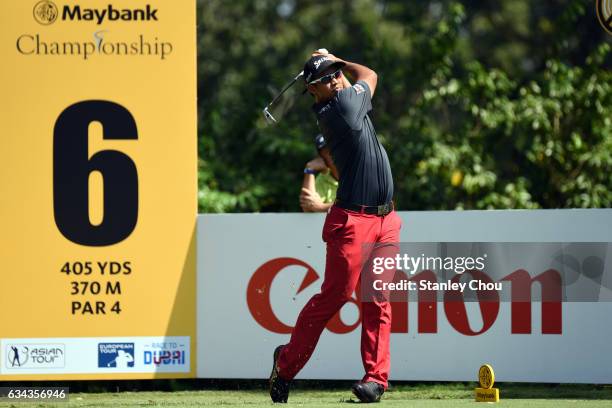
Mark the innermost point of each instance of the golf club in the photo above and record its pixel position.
(266, 111)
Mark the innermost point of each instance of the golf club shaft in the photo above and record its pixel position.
(289, 85)
(266, 112)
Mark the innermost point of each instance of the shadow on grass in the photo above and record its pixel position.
(559, 391)
(397, 389)
(445, 390)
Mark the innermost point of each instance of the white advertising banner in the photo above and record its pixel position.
(95, 355)
(256, 271)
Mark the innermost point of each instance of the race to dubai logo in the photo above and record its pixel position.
(45, 12)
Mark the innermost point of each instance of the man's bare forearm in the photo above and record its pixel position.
(358, 72)
(308, 182)
(326, 155)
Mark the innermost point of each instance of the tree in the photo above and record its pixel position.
(480, 104)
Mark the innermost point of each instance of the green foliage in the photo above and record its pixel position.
(484, 104)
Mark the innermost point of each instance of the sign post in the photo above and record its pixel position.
(99, 189)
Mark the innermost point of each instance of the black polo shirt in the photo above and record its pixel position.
(365, 173)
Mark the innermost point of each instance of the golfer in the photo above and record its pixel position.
(363, 213)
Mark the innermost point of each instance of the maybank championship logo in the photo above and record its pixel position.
(115, 355)
(45, 12)
(95, 41)
(604, 14)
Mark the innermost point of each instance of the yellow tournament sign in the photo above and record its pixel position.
(99, 191)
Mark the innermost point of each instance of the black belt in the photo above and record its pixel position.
(367, 209)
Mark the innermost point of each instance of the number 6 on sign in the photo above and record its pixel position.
(72, 167)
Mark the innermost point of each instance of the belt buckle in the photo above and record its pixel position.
(383, 209)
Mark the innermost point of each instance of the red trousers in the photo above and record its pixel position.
(347, 234)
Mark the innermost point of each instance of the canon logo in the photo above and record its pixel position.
(258, 301)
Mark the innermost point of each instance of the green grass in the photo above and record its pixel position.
(419, 395)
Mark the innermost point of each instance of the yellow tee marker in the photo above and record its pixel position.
(486, 379)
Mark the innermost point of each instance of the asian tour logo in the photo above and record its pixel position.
(45, 12)
(35, 356)
(604, 14)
